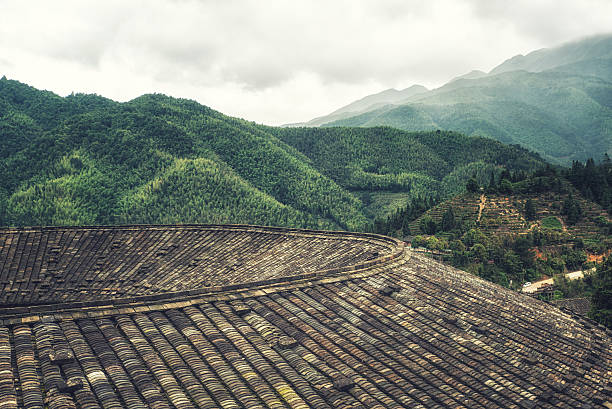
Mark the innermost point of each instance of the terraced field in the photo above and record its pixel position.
(276, 318)
(505, 214)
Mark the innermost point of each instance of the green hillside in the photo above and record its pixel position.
(519, 226)
(370, 102)
(590, 48)
(383, 159)
(555, 102)
(562, 116)
(84, 159)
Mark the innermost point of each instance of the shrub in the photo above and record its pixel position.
(551, 222)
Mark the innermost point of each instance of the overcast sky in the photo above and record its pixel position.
(275, 61)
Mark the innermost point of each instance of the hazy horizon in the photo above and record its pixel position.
(282, 63)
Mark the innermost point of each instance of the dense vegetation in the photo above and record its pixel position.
(85, 159)
(542, 198)
(371, 162)
(555, 102)
(594, 181)
(548, 227)
(602, 294)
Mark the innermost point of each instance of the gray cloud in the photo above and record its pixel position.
(234, 53)
(5, 63)
(548, 21)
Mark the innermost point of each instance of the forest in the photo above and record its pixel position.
(88, 160)
(551, 241)
(85, 159)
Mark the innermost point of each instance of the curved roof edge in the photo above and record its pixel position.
(97, 308)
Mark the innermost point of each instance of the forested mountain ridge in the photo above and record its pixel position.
(85, 159)
(95, 166)
(557, 102)
(587, 49)
(387, 159)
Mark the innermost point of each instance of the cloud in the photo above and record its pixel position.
(5, 64)
(548, 22)
(275, 61)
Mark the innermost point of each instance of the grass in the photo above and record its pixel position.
(384, 203)
(553, 223)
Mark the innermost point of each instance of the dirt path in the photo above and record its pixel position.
(563, 225)
(481, 206)
(574, 275)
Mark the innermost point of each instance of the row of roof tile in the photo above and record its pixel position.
(403, 331)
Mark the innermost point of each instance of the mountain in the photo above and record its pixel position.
(600, 67)
(85, 159)
(382, 159)
(370, 102)
(498, 213)
(587, 49)
(579, 198)
(472, 75)
(556, 102)
(495, 236)
(518, 227)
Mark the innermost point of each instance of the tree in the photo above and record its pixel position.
(574, 259)
(474, 236)
(601, 309)
(479, 252)
(505, 186)
(448, 220)
(492, 182)
(522, 247)
(512, 263)
(428, 225)
(571, 209)
(472, 185)
(433, 243)
(530, 212)
(418, 241)
(405, 227)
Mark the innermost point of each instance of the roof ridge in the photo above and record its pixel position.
(29, 313)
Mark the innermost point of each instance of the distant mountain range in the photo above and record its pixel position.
(381, 99)
(572, 57)
(557, 102)
(85, 159)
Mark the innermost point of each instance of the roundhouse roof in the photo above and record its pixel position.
(244, 316)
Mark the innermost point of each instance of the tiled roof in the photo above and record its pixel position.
(57, 264)
(369, 324)
(576, 305)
